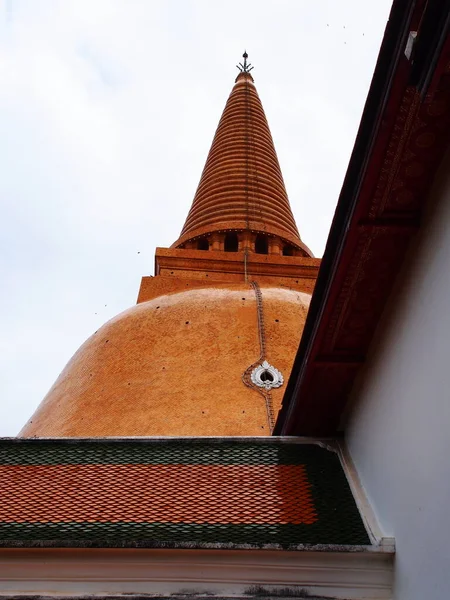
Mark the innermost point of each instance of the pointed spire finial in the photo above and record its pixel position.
(246, 67)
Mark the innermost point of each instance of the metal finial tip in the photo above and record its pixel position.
(246, 67)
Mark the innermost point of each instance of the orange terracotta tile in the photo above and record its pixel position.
(213, 494)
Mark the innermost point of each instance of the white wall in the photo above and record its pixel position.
(398, 431)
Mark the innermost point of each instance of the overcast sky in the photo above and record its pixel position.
(107, 112)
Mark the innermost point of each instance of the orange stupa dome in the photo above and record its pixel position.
(210, 344)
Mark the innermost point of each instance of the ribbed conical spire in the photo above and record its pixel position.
(241, 187)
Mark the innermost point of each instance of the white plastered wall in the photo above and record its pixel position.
(398, 426)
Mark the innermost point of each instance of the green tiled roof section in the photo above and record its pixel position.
(335, 532)
(155, 452)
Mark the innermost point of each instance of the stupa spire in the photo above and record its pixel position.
(241, 187)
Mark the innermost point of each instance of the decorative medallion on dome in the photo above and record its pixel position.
(267, 376)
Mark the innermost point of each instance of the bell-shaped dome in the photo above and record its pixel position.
(175, 365)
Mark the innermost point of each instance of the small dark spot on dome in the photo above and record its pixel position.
(106, 341)
(164, 368)
(243, 298)
(277, 320)
(171, 272)
(157, 307)
(243, 411)
(203, 412)
(187, 322)
(129, 383)
(262, 426)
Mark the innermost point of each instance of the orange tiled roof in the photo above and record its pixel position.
(152, 492)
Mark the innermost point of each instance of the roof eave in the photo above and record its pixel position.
(391, 80)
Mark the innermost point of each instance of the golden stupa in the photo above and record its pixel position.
(210, 344)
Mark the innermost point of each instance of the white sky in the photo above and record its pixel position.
(107, 112)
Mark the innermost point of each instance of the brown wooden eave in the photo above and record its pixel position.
(403, 135)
